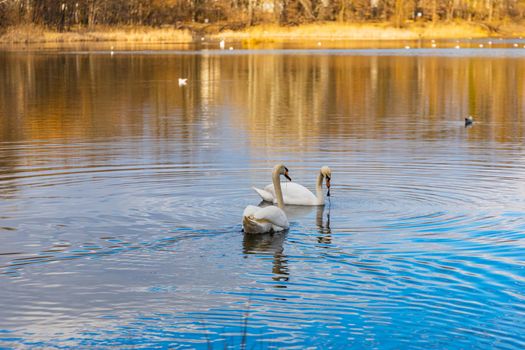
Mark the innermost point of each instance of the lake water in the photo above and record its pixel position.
(121, 197)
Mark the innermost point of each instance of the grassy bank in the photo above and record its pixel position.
(376, 31)
(265, 33)
(36, 34)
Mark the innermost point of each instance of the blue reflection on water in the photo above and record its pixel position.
(135, 241)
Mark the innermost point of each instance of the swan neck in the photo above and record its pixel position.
(278, 191)
(319, 189)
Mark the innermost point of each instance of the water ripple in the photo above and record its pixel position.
(129, 235)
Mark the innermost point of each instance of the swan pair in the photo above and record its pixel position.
(273, 218)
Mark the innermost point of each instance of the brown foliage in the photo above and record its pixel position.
(62, 15)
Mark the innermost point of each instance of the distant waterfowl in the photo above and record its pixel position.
(407, 47)
(222, 44)
(271, 218)
(469, 120)
(183, 81)
(480, 45)
(297, 194)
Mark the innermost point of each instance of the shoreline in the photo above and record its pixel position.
(356, 31)
(30, 34)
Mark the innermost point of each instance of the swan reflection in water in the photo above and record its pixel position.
(325, 233)
(272, 244)
(269, 244)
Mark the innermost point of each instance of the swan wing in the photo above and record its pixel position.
(294, 193)
(250, 210)
(273, 215)
(262, 220)
(265, 195)
(251, 224)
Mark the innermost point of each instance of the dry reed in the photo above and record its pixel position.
(36, 34)
(343, 31)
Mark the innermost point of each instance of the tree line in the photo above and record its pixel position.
(64, 14)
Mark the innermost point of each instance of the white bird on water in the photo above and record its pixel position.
(222, 44)
(183, 81)
(271, 218)
(297, 194)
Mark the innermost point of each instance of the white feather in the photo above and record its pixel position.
(270, 218)
(293, 193)
(267, 219)
(297, 194)
(265, 195)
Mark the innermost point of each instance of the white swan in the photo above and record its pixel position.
(296, 194)
(271, 218)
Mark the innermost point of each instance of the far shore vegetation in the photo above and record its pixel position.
(175, 21)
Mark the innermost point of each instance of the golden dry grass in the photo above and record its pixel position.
(453, 31)
(512, 29)
(36, 34)
(264, 33)
(341, 31)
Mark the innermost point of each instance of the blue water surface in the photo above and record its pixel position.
(121, 197)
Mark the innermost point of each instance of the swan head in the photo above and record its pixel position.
(282, 170)
(327, 174)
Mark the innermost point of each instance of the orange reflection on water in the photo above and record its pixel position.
(273, 98)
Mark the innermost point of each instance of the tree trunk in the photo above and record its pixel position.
(341, 15)
(307, 6)
(250, 12)
(29, 12)
(92, 13)
(399, 14)
(283, 17)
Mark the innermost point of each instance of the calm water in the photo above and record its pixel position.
(121, 196)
